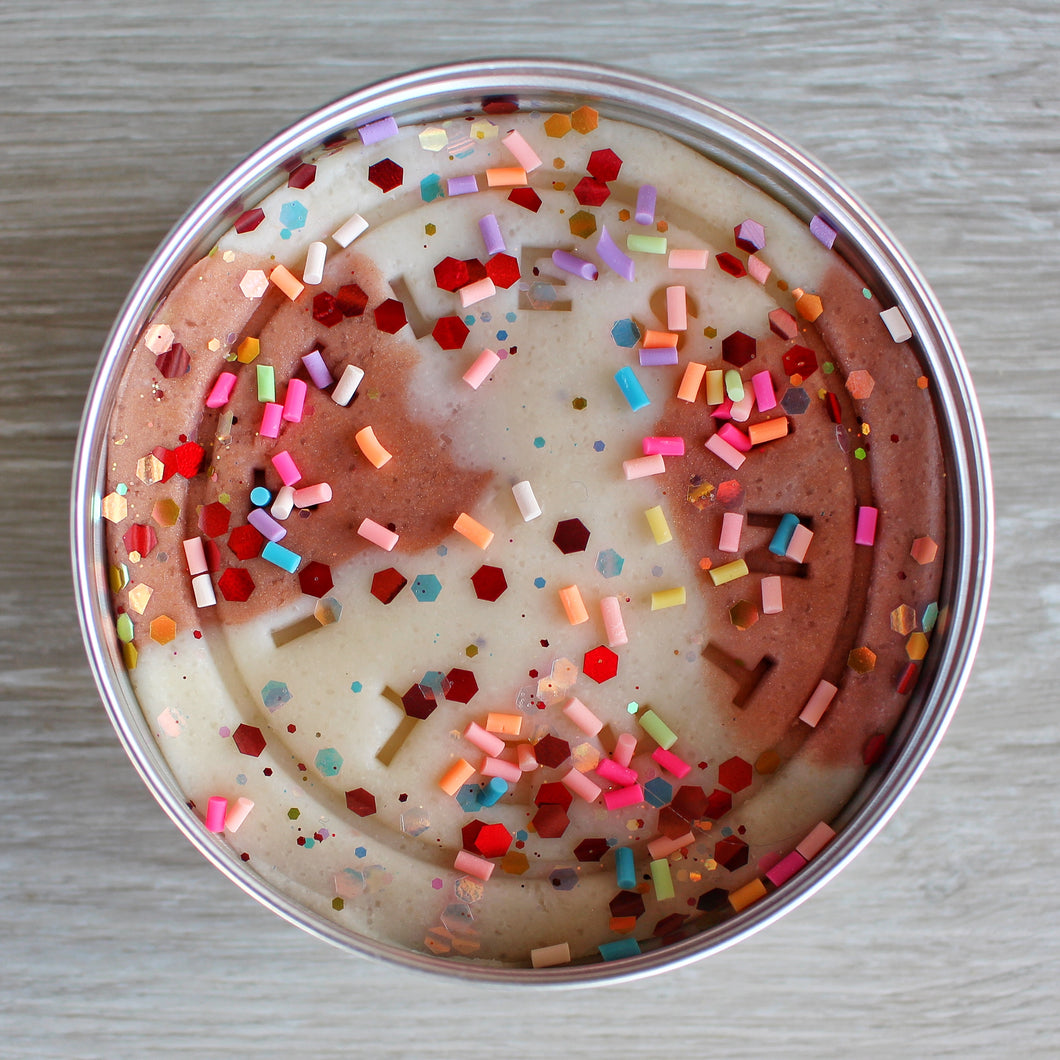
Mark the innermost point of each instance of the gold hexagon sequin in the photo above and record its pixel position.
(118, 577)
(163, 629)
(248, 349)
(862, 660)
(558, 125)
(903, 620)
(434, 139)
(166, 512)
(130, 655)
(808, 306)
(483, 129)
(149, 469)
(114, 507)
(743, 614)
(916, 647)
(582, 224)
(584, 120)
(139, 597)
(515, 863)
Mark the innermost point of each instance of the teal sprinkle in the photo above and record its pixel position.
(121, 489)
(469, 319)
(285, 233)
(328, 762)
(539, 442)
(356, 687)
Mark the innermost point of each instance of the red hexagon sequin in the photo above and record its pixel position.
(604, 164)
(461, 685)
(246, 542)
(361, 802)
(386, 584)
(489, 582)
(386, 175)
(249, 740)
(235, 584)
(600, 664)
(390, 316)
(450, 333)
(315, 579)
(591, 192)
(734, 774)
(214, 519)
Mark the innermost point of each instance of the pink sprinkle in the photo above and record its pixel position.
(735, 437)
(294, 400)
(671, 763)
(688, 259)
(237, 813)
(196, 556)
(676, 309)
(286, 468)
(662, 846)
(799, 543)
(819, 837)
(818, 703)
(221, 390)
(485, 741)
(583, 717)
(667, 445)
(527, 758)
(479, 372)
(724, 451)
(370, 530)
(311, 496)
(784, 869)
(477, 291)
(731, 531)
(865, 534)
(772, 598)
(271, 419)
(612, 772)
(619, 798)
(579, 784)
(765, 395)
(722, 411)
(757, 269)
(215, 813)
(473, 865)
(643, 466)
(523, 153)
(498, 767)
(625, 749)
(614, 257)
(614, 627)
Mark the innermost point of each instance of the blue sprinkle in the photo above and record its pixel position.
(613, 951)
(782, 536)
(260, 496)
(281, 557)
(625, 871)
(539, 583)
(492, 792)
(631, 389)
(356, 686)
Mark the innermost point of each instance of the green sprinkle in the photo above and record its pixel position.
(661, 879)
(266, 383)
(646, 244)
(733, 384)
(859, 453)
(125, 628)
(657, 729)
(828, 368)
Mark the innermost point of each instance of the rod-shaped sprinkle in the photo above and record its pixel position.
(728, 572)
(784, 869)
(480, 371)
(571, 263)
(731, 531)
(473, 865)
(311, 496)
(526, 757)
(799, 544)
(865, 532)
(579, 784)
(818, 703)
(316, 255)
(625, 869)
(195, 554)
(660, 528)
(524, 497)
(202, 590)
(733, 384)
(473, 530)
(772, 595)
(614, 627)
(612, 255)
(485, 741)
(715, 386)
(477, 291)
(237, 813)
(640, 244)
(294, 400)
(747, 895)
(265, 525)
(654, 337)
(370, 530)
(286, 468)
(349, 230)
(631, 389)
(571, 599)
(318, 370)
(456, 776)
(505, 176)
(765, 395)
(550, 956)
(371, 447)
(688, 259)
(725, 451)
(664, 598)
(492, 237)
(625, 749)
(462, 185)
(768, 430)
(521, 151)
(374, 132)
(671, 762)
(662, 846)
(657, 729)
(582, 717)
(782, 535)
(221, 390)
(661, 880)
(690, 381)
(613, 773)
(266, 379)
(281, 557)
(506, 724)
(494, 790)
(347, 385)
(618, 949)
(644, 211)
(735, 437)
(740, 410)
(499, 767)
(643, 466)
(657, 356)
(290, 285)
(816, 840)
(215, 813)
(676, 308)
(271, 420)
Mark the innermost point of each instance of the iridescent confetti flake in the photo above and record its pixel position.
(274, 695)
(468, 889)
(254, 283)
(862, 660)
(609, 563)
(328, 761)
(114, 508)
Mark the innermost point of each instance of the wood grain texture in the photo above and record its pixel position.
(942, 939)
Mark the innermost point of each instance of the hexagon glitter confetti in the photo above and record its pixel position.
(609, 563)
(571, 536)
(274, 695)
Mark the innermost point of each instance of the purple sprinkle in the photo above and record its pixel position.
(462, 185)
(613, 257)
(645, 212)
(653, 356)
(571, 263)
(318, 370)
(264, 523)
(821, 230)
(376, 131)
(491, 234)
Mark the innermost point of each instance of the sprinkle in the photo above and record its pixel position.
(237, 813)
(671, 763)
(735, 437)
(660, 529)
(657, 729)
(612, 772)
(375, 132)
(265, 525)
(456, 776)
(202, 589)
(579, 784)
(631, 389)
(523, 153)
(654, 338)
(195, 554)
(266, 377)
(370, 530)
(688, 259)
(772, 598)
(644, 213)
(782, 535)
(271, 420)
(281, 277)
(473, 865)
(506, 724)
(643, 466)
(676, 309)
(661, 880)
(725, 451)
(505, 176)
(294, 400)
(784, 869)
(311, 496)
(477, 291)
(728, 572)
(474, 531)
(663, 598)
(286, 468)
(662, 846)
(896, 324)
(924, 550)
(747, 895)
(316, 255)
(583, 717)
(715, 386)
(571, 263)
(318, 370)
(524, 497)
(818, 838)
(689, 388)
(822, 231)
(618, 949)
(462, 185)
(655, 356)
(614, 627)
(818, 703)
(613, 257)
(550, 956)
(625, 871)
(765, 395)
(493, 792)
(865, 532)
(347, 386)
(526, 757)
(638, 244)
(369, 445)
(498, 767)
(281, 557)
(221, 390)
(768, 430)
(740, 408)
(491, 234)
(349, 230)
(733, 384)
(571, 598)
(479, 372)
(625, 749)
(801, 537)
(482, 739)
(215, 813)
(731, 530)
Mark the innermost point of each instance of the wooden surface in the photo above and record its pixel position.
(943, 938)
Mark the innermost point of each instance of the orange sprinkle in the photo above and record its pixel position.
(282, 278)
(369, 445)
(505, 176)
(505, 724)
(768, 430)
(473, 530)
(456, 776)
(571, 598)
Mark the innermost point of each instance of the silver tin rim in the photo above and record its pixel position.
(792, 177)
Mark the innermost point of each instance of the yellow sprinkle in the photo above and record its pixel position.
(660, 530)
(728, 572)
